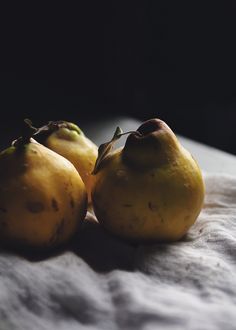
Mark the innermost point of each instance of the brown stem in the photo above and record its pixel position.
(28, 131)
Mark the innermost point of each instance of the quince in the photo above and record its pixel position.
(152, 189)
(69, 141)
(42, 197)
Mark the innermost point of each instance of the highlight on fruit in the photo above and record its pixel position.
(152, 189)
(43, 199)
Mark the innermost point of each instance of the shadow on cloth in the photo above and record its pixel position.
(100, 250)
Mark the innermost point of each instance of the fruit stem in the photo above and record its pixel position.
(28, 131)
(105, 148)
(52, 126)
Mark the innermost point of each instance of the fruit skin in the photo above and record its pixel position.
(150, 190)
(69, 141)
(42, 197)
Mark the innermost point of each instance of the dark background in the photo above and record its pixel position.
(141, 59)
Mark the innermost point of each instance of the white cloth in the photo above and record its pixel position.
(100, 282)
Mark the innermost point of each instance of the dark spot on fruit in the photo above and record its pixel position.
(152, 175)
(72, 203)
(59, 229)
(35, 207)
(2, 209)
(55, 205)
(152, 206)
(127, 205)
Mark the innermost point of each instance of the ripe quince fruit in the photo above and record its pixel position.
(42, 196)
(152, 189)
(68, 140)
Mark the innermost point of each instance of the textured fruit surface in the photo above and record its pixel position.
(42, 197)
(77, 148)
(150, 190)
